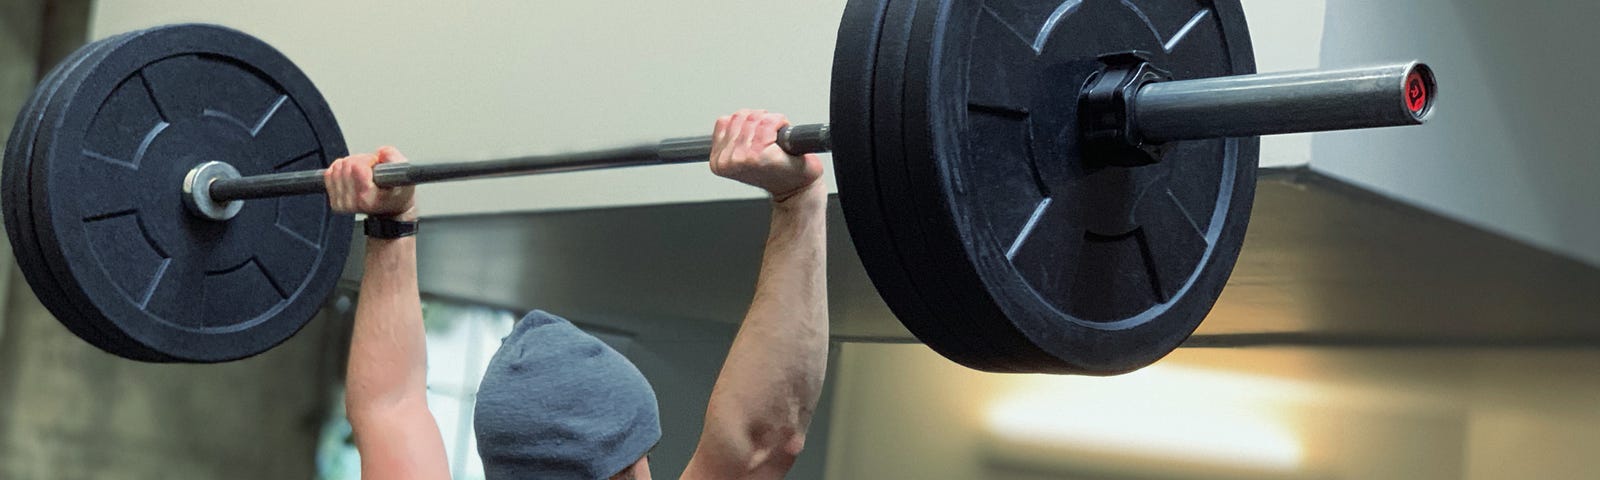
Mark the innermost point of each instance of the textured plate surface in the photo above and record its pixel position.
(19, 218)
(113, 230)
(868, 59)
(1033, 257)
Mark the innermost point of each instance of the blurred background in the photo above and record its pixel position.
(1411, 303)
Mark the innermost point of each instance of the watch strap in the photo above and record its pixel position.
(388, 228)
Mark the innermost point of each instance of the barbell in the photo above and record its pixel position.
(1058, 186)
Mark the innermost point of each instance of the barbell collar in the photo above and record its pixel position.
(197, 195)
(1278, 103)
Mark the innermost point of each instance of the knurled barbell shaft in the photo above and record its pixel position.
(1236, 106)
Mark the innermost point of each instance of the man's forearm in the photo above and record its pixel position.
(772, 378)
(388, 353)
(386, 391)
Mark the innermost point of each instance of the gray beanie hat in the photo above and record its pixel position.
(558, 403)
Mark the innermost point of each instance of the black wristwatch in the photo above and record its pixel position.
(388, 228)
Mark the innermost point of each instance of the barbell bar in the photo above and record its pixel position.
(1235, 106)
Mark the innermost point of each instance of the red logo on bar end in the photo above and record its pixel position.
(1416, 93)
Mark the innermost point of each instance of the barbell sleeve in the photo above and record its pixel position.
(1275, 103)
(797, 140)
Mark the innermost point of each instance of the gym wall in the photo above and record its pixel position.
(19, 54)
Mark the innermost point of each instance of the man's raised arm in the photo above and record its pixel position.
(768, 389)
(386, 384)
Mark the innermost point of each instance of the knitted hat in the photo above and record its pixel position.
(557, 403)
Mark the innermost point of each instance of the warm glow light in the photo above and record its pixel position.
(1160, 413)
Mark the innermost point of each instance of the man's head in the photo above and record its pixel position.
(558, 403)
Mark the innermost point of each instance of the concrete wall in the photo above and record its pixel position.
(1511, 148)
(21, 36)
(69, 411)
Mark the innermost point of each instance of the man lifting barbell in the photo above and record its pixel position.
(1025, 198)
(556, 402)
